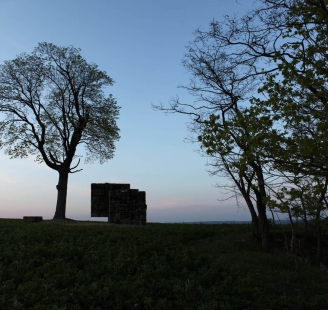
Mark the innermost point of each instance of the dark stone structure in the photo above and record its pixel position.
(32, 218)
(119, 203)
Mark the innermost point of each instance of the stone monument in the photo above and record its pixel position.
(119, 203)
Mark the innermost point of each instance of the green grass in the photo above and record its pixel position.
(159, 266)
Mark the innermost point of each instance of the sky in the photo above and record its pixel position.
(140, 44)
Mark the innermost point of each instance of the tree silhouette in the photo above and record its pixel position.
(54, 101)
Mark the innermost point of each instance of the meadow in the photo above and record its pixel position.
(157, 266)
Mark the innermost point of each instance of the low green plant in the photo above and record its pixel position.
(158, 266)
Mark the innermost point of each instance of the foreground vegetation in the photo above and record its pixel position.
(159, 266)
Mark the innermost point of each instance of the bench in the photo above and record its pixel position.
(32, 218)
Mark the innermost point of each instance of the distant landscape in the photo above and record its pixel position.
(227, 222)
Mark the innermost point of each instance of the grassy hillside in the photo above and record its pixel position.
(158, 266)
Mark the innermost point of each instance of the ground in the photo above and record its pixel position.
(68, 221)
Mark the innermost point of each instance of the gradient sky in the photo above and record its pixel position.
(140, 44)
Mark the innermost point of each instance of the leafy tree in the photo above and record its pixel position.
(54, 101)
(226, 63)
(297, 99)
(223, 77)
(222, 84)
(239, 139)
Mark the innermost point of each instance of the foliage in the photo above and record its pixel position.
(297, 95)
(287, 132)
(296, 103)
(224, 63)
(54, 101)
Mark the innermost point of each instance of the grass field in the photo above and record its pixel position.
(158, 266)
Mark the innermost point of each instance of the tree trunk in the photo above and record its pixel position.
(263, 222)
(256, 228)
(261, 206)
(62, 195)
(264, 228)
(318, 256)
(293, 241)
(255, 220)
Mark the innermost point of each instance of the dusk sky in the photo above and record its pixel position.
(140, 44)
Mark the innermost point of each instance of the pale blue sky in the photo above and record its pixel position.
(140, 44)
